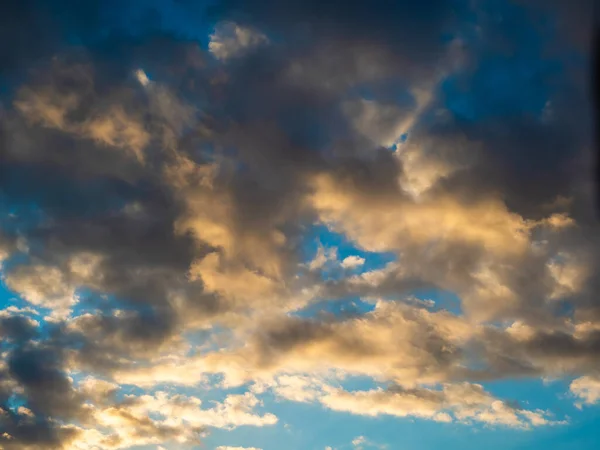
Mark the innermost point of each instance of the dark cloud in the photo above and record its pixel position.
(35, 29)
(34, 374)
(574, 21)
(412, 30)
(46, 387)
(104, 342)
(23, 433)
(18, 328)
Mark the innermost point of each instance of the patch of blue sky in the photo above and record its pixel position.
(9, 298)
(532, 394)
(580, 434)
(136, 16)
(176, 18)
(509, 79)
(271, 437)
(15, 401)
(442, 299)
(321, 234)
(359, 383)
(336, 308)
(501, 87)
(312, 426)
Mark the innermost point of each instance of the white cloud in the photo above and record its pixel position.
(454, 402)
(351, 262)
(162, 417)
(142, 77)
(44, 286)
(587, 389)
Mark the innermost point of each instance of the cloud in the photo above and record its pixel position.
(158, 418)
(112, 127)
(230, 40)
(587, 389)
(17, 327)
(158, 198)
(426, 349)
(42, 286)
(234, 411)
(356, 23)
(463, 403)
(322, 257)
(5, 248)
(351, 262)
(296, 388)
(360, 442)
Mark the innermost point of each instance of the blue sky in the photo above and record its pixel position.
(316, 226)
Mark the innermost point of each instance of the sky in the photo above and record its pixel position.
(299, 225)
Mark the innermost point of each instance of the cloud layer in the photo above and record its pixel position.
(159, 195)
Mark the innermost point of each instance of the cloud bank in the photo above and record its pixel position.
(159, 192)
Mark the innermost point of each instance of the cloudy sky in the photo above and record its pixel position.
(297, 225)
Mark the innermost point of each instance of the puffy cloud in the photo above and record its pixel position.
(17, 327)
(180, 411)
(587, 389)
(386, 224)
(42, 286)
(351, 262)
